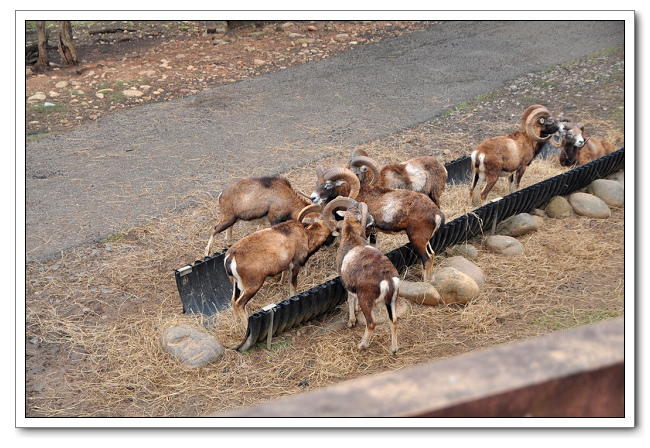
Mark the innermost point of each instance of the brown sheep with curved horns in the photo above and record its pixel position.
(578, 150)
(367, 274)
(424, 174)
(392, 210)
(510, 155)
(283, 247)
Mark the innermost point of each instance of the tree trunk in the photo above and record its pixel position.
(43, 62)
(67, 48)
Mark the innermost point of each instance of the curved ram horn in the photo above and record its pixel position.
(345, 174)
(527, 112)
(330, 208)
(531, 124)
(364, 218)
(356, 153)
(312, 208)
(557, 140)
(368, 163)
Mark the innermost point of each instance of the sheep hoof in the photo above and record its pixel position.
(351, 324)
(362, 346)
(394, 351)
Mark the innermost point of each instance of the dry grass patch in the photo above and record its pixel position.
(98, 313)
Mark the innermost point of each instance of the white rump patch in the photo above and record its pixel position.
(233, 269)
(417, 176)
(389, 210)
(383, 291)
(396, 282)
(438, 222)
(350, 258)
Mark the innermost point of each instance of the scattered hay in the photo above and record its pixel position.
(101, 311)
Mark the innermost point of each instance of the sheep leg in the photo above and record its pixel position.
(368, 307)
(370, 328)
(353, 302)
(391, 307)
(236, 293)
(293, 286)
(423, 249)
(228, 240)
(227, 226)
(239, 305)
(511, 184)
(517, 178)
(240, 297)
(489, 184)
(473, 185)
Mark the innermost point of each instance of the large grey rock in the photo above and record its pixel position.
(466, 267)
(465, 250)
(518, 225)
(558, 207)
(191, 347)
(454, 286)
(618, 177)
(610, 191)
(588, 205)
(423, 293)
(380, 315)
(503, 244)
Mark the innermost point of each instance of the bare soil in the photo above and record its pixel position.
(94, 316)
(116, 55)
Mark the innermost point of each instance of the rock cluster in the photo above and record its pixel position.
(458, 279)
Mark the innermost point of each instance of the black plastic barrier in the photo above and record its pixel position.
(205, 295)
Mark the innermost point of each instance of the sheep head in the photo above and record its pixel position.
(328, 181)
(575, 135)
(537, 120)
(351, 210)
(357, 152)
(360, 165)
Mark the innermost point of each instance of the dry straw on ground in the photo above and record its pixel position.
(103, 309)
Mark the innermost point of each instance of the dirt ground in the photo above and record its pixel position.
(115, 55)
(94, 316)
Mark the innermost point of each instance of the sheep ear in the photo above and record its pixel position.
(341, 213)
(541, 120)
(581, 126)
(335, 233)
(319, 171)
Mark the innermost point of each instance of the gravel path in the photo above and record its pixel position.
(130, 167)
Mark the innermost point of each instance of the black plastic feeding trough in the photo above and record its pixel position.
(205, 288)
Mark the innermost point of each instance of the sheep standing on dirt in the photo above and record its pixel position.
(423, 174)
(576, 150)
(283, 247)
(367, 274)
(392, 210)
(510, 155)
(254, 198)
